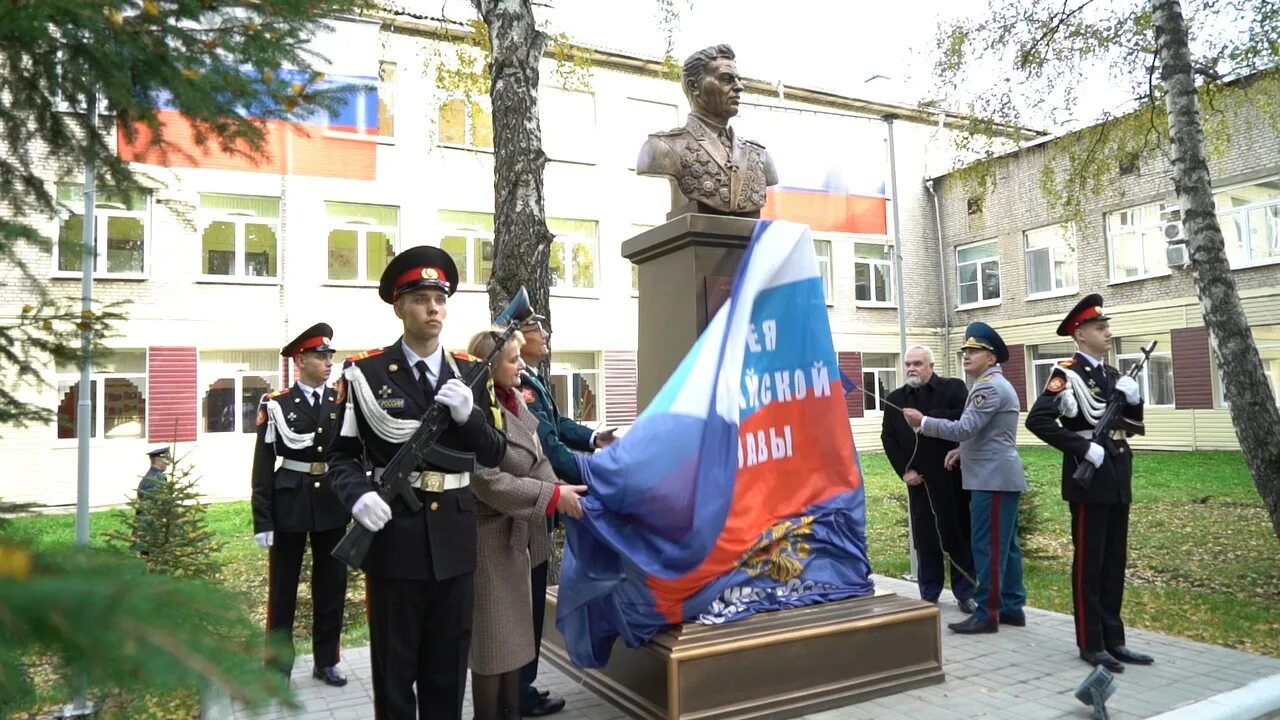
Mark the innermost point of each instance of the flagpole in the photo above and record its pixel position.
(902, 301)
(80, 707)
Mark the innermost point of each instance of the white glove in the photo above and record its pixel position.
(1129, 387)
(456, 396)
(265, 539)
(1095, 455)
(371, 511)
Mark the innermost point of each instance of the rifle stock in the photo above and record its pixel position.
(1115, 404)
(395, 477)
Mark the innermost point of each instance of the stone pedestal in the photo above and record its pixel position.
(773, 665)
(686, 269)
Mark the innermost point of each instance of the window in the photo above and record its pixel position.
(1250, 220)
(238, 235)
(1051, 259)
(366, 112)
(120, 218)
(978, 273)
(466, 123)
(117, 396)
(575, 382)
(1267, 338)
(1156, 378)
(1045, 357)
(469, 241)
(234, 382)
(568, 124)
(1135, 242)
(879, 378)
(362, 240)
(823, 250)
(873, 273)
(573, 253)
(642, 118)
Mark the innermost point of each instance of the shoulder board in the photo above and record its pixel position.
(1067, 363)
(984, 378)
(277, 393)
(669, 133)
(366, 354)
(752, 143)
(461, 355)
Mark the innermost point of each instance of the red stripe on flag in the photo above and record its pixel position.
(834, 212)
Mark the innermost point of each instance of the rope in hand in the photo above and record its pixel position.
(937, 529)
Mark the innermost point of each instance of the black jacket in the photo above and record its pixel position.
(1112, 483)
(941, 398)
(446, 524)
(287, 500)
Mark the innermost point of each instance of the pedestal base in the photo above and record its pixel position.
(774, 665)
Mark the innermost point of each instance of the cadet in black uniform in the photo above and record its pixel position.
(1064, 416)
(296, 500)
(420, 565)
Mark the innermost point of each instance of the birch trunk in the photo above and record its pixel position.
(522, 242)
(1253, 406)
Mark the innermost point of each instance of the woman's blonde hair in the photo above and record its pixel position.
(483, 342)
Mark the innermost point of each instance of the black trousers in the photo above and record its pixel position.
(529, 673)
(1100, 534)
(419, 633)
(328, 595)
(939, 514)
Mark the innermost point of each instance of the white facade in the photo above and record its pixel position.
(432, 186)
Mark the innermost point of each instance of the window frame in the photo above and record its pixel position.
(469, 106)
(102, 215)
(824, 261)
(362, 228)
(878, 370)
(237, 377)
(1240, 263)
(1144, 377)
(567, 372)
(1136, 233)
(1038, 362)
(98, 403)
(567, 241)
(471, 234)
(981, 302)
(1071, 235)
(239, 219)
(871, 263)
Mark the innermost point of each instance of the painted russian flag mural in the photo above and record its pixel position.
(837, 186)
(738, 489)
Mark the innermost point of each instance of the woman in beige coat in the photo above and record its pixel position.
(515, 499)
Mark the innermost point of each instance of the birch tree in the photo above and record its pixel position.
(1174, 67)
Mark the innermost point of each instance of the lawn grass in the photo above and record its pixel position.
(1203, 561)
(1202, 557)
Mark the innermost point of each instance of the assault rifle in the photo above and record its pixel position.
(395, 478)
(1101, 431)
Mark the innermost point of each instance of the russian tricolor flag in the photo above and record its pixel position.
(738, 489)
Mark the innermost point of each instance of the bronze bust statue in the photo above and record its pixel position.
(711, 169)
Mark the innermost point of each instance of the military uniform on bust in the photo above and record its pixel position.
(419, 568)
(1064, 416)
(295, 501)
(716, 168)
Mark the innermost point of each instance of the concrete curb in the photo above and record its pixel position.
(1255, 700)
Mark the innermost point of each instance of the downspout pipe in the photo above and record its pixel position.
(942, 274)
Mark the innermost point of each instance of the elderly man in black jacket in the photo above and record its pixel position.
(939, 505)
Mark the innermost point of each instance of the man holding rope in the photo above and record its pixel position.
(939, 504)
(986, 431)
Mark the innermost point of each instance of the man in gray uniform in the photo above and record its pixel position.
(987, 431)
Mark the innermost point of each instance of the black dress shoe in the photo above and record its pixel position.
(1014, 620)
(544, 694)
(548, 705)
(967, 606)
(329, 676)
(972, 626)
(1102, 658)
(1125, 655)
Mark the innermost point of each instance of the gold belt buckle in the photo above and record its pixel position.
(431, 481)
(318, 468)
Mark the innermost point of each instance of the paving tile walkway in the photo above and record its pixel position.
(1026, 673)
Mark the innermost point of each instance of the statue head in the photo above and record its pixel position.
(710, 81)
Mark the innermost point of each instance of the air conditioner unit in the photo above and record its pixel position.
(1171, 219)
(1176, 254)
